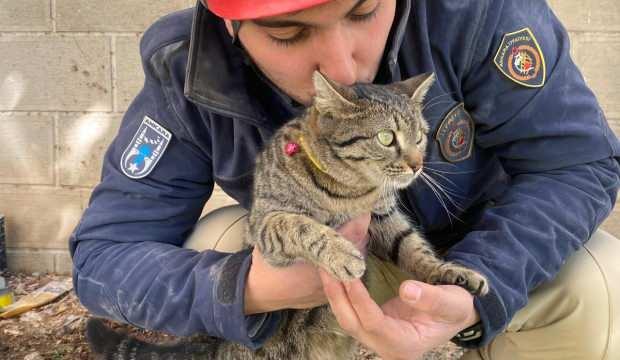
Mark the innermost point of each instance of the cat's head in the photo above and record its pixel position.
(378, 130)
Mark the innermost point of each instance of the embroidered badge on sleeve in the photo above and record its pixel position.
(145, 149)
(521, 59)
(456, 134)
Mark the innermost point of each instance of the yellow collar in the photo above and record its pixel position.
(310, 155)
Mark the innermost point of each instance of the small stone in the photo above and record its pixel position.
(34, 356)
(13, 332)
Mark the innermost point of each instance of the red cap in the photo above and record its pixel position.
(253, 9)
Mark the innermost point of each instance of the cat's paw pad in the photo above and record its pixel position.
(343, 260)
(452, 274)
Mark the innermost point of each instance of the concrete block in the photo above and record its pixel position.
(598, 56)
(62, 263)
(111, 15)
(29, 261)
(55, 73)
(129, 72)
(27, 155)
(25, 15)
(83, 140)
(588, 15)
(40, 218)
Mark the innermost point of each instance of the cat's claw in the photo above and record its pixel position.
(343, 260)
(452, 274)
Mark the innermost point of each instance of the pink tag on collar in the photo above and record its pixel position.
(291, 148)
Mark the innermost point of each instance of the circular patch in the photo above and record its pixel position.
(456, 134)
(524, 63)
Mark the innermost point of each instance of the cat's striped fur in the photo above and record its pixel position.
(341, 169)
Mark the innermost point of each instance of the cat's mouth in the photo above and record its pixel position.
(403, 180)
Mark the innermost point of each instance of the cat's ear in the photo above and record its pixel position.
(416, 87)
(331, 97)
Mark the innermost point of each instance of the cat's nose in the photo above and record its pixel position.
(416, 167)
(414, 161)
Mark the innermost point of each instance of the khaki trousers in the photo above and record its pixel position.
(574, 316)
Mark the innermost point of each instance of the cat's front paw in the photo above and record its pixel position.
(342, 259)
(453, 274)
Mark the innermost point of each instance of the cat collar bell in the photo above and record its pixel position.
(291, 148)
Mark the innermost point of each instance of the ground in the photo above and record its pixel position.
(56, 331)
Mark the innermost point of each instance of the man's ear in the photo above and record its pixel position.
(331, 97)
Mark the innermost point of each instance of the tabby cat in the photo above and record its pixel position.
(348, 154)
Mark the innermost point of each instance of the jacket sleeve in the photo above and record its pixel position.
(555, 144)
(128, 263)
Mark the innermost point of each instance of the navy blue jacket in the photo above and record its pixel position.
(543, 173)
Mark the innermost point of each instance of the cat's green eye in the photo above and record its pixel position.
(420, 137)
(386, 137)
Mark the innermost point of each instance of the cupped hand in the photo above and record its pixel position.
(421, 318)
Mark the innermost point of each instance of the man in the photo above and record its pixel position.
(519, 145)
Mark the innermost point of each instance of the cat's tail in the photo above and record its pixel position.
(107, 344)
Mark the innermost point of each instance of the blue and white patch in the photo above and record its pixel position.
(145, 149)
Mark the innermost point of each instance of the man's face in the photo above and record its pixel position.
(343, 39)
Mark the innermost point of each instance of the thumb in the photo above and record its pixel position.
(444, 302)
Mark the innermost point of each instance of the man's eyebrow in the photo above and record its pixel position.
(292, 23)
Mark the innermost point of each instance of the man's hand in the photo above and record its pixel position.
(421, 318)
(297, 286)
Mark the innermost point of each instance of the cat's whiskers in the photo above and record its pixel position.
(446, 192)
(439, 198)
(432, 184)
(399, 201)
(430, 101)
(439, 162)
(451, 192)
(428, 106)
(450, 172)
(440, 175)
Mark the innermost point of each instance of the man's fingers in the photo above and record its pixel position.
(446, 302)
(339, 303)
(370, 315)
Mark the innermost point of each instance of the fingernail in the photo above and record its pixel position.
(412, 292)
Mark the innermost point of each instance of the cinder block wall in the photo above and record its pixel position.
(70, 68)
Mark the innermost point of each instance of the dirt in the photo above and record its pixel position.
(56, 331)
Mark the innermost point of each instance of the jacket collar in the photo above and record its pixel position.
(221, 77)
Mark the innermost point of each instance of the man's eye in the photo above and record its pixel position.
(364, 15)
(289, 38)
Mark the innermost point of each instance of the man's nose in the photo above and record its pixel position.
(336, 56)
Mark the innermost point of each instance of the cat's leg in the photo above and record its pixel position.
(283, 237)
(394, 238)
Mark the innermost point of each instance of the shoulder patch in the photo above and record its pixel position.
(456, 134)
(145, 149)
(521, 59)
